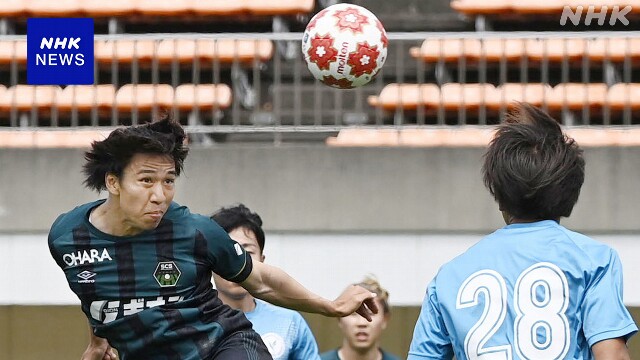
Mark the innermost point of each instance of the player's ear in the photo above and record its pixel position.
(112, 183)
(262, 257)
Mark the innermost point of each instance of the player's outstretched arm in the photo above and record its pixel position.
(611, 349)
(98, 349)
(271, 284)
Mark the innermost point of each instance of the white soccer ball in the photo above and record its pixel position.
(344, 46)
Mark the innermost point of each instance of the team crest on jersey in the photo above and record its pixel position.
(167, 274)
(275, 344)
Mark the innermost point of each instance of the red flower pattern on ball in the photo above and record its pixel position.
(364, 59)
(351, 19)
(341, 83)
(322, 52)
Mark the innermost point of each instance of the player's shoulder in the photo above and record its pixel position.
(181, 215)
(388, 356)
(70, 220)
(330, 355)
(591, 248)
(266, 308)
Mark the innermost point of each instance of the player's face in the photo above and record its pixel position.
(145, 190)
(361, 334)
(247, 239)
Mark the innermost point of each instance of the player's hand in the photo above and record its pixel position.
(99, 350)
(355, 299)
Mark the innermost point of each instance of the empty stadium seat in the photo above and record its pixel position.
(507, 95)
(281, 7)
(162, 7)
(125, 51)
(27, 97)
(58, 8)
(405, 96)
(468, 96)
(206, 96)
(224, 50)
(84, 98)
(11, 8)
(144, 97)
(536, 50)
(575, 96)
(623, 96)
(481, 7)
(100, 8)
(13, 50)
(537, 6)
(451, 50)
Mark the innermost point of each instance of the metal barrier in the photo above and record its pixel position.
(272, 91)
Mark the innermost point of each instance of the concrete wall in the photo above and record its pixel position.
(321, 189)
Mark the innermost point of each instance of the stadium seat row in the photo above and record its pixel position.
(525, 7)
(573, 96)
(552, 49)
(225, 51)
(100, 8)
(143, 97)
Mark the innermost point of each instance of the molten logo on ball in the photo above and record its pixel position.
(344, 46)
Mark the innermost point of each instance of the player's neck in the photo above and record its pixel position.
(348, 353)
(245, 304)
(108, 218)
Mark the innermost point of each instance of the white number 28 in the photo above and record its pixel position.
(541, 298)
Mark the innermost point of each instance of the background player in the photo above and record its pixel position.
(141, 264)
(361, 338)
(533, 289)
(284, 331)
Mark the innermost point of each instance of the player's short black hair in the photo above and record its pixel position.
(533, 170)
(240, 216)
(112, 155)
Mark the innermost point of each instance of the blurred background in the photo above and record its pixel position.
(383, 179)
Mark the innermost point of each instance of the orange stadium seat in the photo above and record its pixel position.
(538, 6)
(163, 7)
(216, 7)
(468, 96)
(144, 97)
(13, 50)
(614, 49)
(405, 96)
(281, 7)
(557, 49)
(206, 96)
(125, 51)
(622, 96)
(11, 8)
(44, 8)
(26, 97)
(506, 95)
(224, 50)
(101, 8)
(481, 7)
(575, 96)
(450, 50)
(86, 97)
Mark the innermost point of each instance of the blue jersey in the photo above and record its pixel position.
(150, 294)
(527, 291)
(284, 331)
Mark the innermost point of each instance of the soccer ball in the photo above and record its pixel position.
(344, 46)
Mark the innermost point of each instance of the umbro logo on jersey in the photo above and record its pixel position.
(86, 257)
(238, 249)
(86, 277)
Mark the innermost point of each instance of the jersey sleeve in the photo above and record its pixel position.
(604, 315)
(227, 258)
(430, 336)
(305, 346)
(54, 233)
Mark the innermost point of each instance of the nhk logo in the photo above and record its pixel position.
(60, 51)
(617, 13)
